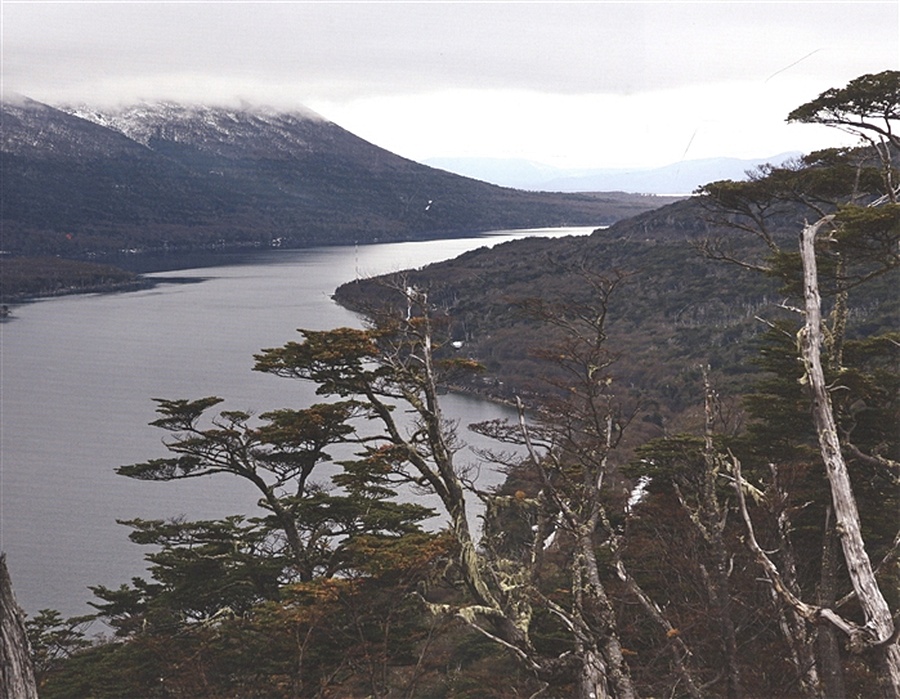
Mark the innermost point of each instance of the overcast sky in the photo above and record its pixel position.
(575, 84)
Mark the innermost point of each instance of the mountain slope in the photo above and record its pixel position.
(71, 186)
(79, 182)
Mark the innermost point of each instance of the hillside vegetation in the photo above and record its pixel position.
(703, 503)
(675, 311)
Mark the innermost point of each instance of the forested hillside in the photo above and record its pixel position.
(674, 308)
(705, 502)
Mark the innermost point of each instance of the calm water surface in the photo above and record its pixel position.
(77, 375)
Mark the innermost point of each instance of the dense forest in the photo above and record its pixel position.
(702, 502)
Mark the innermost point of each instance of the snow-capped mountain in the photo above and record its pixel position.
(81, 181)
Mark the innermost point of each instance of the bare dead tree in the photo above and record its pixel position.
(16, 670)
(878, 629)
(855, 222)
(570, 439)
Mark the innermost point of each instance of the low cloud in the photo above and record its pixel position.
(550, 80)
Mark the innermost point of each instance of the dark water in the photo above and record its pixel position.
(77, 375)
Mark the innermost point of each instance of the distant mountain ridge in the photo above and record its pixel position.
(79, 182)
(678, 178)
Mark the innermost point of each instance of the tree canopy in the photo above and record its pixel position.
(753, 553)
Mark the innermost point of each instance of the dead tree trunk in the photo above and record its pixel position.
(605, 669)
(828, 644)
(16, 671)
(879, 625)
(797, 633)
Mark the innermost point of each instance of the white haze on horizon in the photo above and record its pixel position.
(569, 84)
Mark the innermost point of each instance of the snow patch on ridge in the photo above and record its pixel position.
(224, 130)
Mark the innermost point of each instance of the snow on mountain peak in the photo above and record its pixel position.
(224, 130)
(33, 128)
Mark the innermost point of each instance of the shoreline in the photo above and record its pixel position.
(21, 299)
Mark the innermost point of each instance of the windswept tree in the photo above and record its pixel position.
(310, 522)
(278, 457)
(869, 108)
(312, 597)
(842, 205)
(395, 368)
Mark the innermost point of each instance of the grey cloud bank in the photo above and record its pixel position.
(383, 67)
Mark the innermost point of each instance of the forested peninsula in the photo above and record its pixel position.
(704, 502)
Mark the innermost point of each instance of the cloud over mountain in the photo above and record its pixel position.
(81, 181)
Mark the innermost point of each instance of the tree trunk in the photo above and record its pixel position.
(879, 624)
(726, 623)
(797, 632)
(599, 614)
(828, 646)
(592, 683)
(16, 671)
(712, 524)
(288, 525)
(719, 590)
